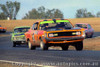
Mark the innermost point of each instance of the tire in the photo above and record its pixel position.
(91, 35)
(30, 46)
(79, 46)
(14, 44)
(65, 47)
(43, 45)
(86, 36)
(4, 31)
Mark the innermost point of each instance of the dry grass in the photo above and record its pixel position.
(95, 22)
(92, 44)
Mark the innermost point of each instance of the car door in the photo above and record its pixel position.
(35, 33)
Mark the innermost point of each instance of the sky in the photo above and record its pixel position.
(68, 7)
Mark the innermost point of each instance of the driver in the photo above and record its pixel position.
(45, 26)
(60, 24)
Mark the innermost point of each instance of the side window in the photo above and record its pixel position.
(35, 26)
(89, 26)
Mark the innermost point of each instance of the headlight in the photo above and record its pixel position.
(51, 35)
(78, 33)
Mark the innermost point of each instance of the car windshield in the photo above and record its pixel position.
(19, 30)
(81, 25)
(65, 25)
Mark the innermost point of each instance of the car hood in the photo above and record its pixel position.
(57, 29)
(18, 34)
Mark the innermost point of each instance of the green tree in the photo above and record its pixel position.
(82, 13)
(50, 14)
(17, 8)
(43, 13)
(98, 14)
(58, 14)
(33, 14)
(2, 16)
(10, 9)
(89, 14)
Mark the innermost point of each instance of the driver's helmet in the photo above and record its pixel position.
(44, 25)
(60, 25)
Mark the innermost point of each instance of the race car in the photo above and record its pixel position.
(89, 31)
(54, 32)
(18, 36)
(2, 29)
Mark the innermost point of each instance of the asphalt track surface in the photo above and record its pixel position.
(51, 57)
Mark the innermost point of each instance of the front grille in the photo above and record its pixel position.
(63, 34)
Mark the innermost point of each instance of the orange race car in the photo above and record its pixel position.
(2, 29)
(56, 32)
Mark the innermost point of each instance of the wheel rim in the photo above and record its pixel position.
(29, 44)
(41, 45)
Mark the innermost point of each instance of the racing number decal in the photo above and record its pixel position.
(35, 33)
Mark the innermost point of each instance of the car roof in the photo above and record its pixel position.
(22, 27)
(51, 20)
(82, 23)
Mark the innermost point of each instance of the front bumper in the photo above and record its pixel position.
(64, 40)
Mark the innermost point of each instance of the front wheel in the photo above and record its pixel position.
(14, 44)
(91, 35)
(43, 46)
(79, 46)
(30, 46)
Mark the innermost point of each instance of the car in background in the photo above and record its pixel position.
(89, 31)
(17, 36)
(2, 29)
(54, 32)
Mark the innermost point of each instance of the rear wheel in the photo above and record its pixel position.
(30, 46)
(65, 47)
(43, 46)
(14, 44)
(79, 46)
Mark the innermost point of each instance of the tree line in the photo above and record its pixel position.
(83, 13)
(43, 13)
